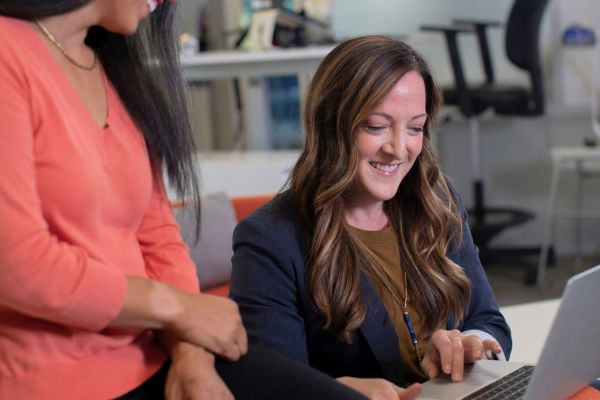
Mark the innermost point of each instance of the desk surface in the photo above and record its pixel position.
(530, 324)
(238, 63)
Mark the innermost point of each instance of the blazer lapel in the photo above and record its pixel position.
(379, 333)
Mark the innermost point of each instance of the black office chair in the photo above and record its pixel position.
(522, 49)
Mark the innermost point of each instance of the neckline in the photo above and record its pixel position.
(56, 70)
(381, 236)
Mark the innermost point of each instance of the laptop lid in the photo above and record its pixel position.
(569, 361)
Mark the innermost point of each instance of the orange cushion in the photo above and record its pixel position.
(219, 290)
(245, 205)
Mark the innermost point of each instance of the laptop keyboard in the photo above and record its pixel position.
(511, 386)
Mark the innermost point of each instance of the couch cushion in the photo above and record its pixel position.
(246, 205)
(212, 253)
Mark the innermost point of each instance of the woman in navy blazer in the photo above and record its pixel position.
(315, 273)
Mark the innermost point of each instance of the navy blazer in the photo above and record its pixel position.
(268, 283)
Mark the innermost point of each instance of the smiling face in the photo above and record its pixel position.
(389, 142)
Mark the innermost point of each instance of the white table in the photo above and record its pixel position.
(530, 324)
(213, 65)
(232, 64)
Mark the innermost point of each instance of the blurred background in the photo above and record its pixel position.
(248, 63)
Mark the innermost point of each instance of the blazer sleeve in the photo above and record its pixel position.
(483, 313)
(264, 283)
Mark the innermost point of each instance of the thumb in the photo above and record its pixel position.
(410, 392)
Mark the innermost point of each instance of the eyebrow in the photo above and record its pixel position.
(389, 117)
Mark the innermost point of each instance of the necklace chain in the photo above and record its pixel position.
(406, 316)
(59, 46)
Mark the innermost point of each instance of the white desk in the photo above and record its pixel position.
(530, 324)
(233, 64)
(301, 62)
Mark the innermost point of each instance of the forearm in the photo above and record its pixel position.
(148, 304)
(177, 348)
(168, 341)
(210, 322)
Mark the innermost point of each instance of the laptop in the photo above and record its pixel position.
(570, 358)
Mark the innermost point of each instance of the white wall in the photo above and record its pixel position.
(399, 17)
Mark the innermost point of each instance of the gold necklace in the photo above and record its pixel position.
(59, 46)
(407, 320)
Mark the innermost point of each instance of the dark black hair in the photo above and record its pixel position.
(144, 69)
(33, 9)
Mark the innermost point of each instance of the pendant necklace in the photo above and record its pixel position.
(406, 316)
(59, 46)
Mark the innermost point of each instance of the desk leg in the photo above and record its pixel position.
(548, 221)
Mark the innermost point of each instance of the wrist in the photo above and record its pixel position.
(167, 304)
(184, 349)
(346, 380)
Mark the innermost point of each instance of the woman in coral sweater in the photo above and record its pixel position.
(98, 296)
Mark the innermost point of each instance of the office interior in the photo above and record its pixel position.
(248, 127)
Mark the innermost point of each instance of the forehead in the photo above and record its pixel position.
(406, 96)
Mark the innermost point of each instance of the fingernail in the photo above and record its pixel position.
(478, 354)
(456, 377)
(447, 368)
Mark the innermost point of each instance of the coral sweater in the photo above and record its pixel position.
(79, 211)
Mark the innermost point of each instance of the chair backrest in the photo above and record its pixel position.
(522, 45)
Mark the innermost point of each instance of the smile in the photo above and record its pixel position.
(384, 167)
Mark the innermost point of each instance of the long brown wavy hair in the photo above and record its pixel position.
(349, 84)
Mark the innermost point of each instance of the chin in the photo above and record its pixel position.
(388, 197)
(385, 195)
(129, 30)
(124, 26)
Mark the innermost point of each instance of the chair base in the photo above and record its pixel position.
(492, 221)
(525, 257)
(489, 224)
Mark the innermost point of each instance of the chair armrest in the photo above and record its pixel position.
(446, 29)
(450, 33)
(480, 28)
(476, 22)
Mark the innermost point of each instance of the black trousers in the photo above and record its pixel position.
(260, 375)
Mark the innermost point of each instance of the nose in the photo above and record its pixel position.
(397, 145)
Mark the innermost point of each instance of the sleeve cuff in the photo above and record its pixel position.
(98, 299)
(486, 336)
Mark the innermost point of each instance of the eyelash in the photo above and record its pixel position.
(379, 128)
(375, 128)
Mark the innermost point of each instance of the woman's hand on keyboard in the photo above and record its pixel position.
(449, 351)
